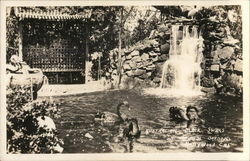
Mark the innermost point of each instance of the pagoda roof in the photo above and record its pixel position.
(48, 15)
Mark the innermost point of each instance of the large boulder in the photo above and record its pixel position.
(129, 57)
(136, 59)
(153, 54)
(135, 53)
(150, 67)
(139, 72)
(159, 68)
(163, 28)
(155, 59)
(238, 65)
(139, 46)
(147, 63)
(145, 56)
(215, 68)
(129, 73)
(126, 66)
(157, 80)
(157, 49)
(143, 76)
(233, 83)
(231, 41)
(128, 51)
(163, 57)
(225, 53)
(153, 34)
(154, 43)
(149, 73)
(140, 65)
(114, 72)
(113, 65)
(132, 65)
(165, 48)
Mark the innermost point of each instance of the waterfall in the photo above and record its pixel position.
(181, 72)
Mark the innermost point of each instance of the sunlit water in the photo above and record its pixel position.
(221, 132)
(165, 92)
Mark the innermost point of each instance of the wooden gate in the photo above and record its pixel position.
(52, 47)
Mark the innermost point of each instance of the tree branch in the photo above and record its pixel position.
(126, 17)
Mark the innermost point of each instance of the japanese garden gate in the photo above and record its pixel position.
(55, 43)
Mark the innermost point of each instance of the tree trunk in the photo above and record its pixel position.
(86, 53)
(119, 68)
(20, 41)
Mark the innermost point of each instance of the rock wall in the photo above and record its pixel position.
(142, 64)
(222, 58)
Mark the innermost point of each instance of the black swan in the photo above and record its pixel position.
(110, 117)
(130, 132)
(180, 114)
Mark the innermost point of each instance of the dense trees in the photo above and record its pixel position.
(11, 34)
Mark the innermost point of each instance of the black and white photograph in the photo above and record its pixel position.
(124, 78)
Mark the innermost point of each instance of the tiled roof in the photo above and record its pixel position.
(51, 15)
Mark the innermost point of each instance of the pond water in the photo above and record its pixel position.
(221, 132)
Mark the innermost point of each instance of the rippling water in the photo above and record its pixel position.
(221, 132)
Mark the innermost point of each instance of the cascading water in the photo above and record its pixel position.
(181, 72)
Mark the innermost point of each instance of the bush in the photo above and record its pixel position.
(207, 82)
(233, 83)
(11, 35)
(25, 134)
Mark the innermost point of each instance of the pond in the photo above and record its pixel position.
(221, 132)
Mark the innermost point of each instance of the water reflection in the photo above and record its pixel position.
(221, 132)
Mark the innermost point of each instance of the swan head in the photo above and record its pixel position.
(123, 104)
(126, 104)
(192, 113)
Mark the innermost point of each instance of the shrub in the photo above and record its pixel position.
(233, 83)
(25, 134)
(207, 82)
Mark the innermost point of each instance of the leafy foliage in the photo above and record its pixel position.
(11, 34)
(230, 15)
(170, 12)
(24, 134)
(144, 29)
(207, 82)
(103, 30)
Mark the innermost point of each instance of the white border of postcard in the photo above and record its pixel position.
(134, 156)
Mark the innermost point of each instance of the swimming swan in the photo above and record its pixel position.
(180, 114)
(112, 117)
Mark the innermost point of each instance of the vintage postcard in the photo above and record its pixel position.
(124, 80)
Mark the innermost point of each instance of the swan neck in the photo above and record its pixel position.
(118, 109)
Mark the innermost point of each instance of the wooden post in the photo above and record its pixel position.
(20, 40)
(119, 70)
(99, 67)
(86, 53)
(31, 89)
(57, 78)
(71, 77)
